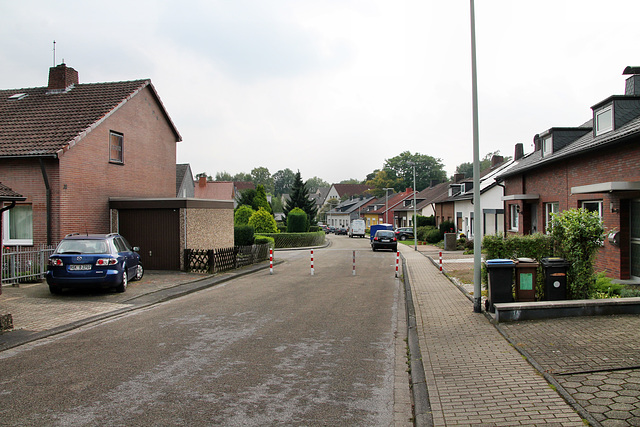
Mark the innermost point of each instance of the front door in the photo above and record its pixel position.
(534, 218)
(635, 239)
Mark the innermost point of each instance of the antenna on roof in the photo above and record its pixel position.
(54, 53)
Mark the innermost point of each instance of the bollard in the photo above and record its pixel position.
(270, 260)
(440, 261)
(354, 263)
(312, 272)
(397, 262)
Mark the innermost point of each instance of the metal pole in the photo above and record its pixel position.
(415, 215)
(312, 272)
(477, 237)
(386, 212)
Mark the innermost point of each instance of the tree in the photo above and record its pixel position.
(350, 181)
(428, 168)
(314, 183)
(224, 176)
(263, 222)
(299, 198)
(485, 163)
(261, 199)
(242, 215)
(261, 176)
(382, 179)
(283, 181)
(203, 174)
(578, 236)
(242, 177)
(247, 197)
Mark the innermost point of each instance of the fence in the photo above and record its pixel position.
(218, 260)
(25, 265)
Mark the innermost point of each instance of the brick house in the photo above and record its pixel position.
(69, 147)
(595, 166)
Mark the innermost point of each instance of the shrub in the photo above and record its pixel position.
(434, 236)
(242, 215)
(261, 240)
(263, 222)
(422, 232)
(297, 240)
(424, 221)
(578, 236)
(314, 228)
(447, 227)
(297, 221)
(243, 235)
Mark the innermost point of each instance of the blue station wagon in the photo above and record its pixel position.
(99, 260)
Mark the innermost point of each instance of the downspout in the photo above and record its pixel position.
(504, 208)
(48, 191)
(6, 208)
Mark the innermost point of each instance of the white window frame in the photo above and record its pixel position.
(547, 146)
(119, 137)
(549, 208)
(608, 111)
(596, 202)
(514, 217)
(6, 228)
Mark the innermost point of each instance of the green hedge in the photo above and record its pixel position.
(296, 240)
(243, 235)
(261, 240)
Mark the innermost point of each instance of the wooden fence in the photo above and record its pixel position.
(224, 259)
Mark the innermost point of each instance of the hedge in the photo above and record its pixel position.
(295, 240)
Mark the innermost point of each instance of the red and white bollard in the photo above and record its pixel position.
(440, 261)
(270, 260)
(354, 263)
(397, 262)
(312, 272)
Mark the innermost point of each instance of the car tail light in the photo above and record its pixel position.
(106, 261)
(55, 262)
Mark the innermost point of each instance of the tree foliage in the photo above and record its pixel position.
(314, 183)
(400, 169)
(261, 199)
(299, 198)
(283, 181)
(203, 174)
(578, 235)
(242, 215)
(261, 176)
(263, 222)
(247, 197)
(383, 179)
(297, 221)
(485, 163)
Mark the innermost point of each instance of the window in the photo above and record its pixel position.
(514, 211)
(604, 120)
(550, 208)
(116, 147)
(593, 206)
(547, 146)
(18, 226)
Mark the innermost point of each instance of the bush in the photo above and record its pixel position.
(425, 221)
(262, 240)
(421, 232)
(263, 222)
(297, 221)
(242, 215)
(243, 235)
(434, 236)
(447, 227)
(315, 228)
(297, 240)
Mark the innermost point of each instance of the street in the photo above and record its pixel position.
(289, 348)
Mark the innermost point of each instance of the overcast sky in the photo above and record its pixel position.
(335, 87)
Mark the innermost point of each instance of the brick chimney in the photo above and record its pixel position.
(62, 77)
(519, 151)
(202, 181)
(496, 160)
(457, 177)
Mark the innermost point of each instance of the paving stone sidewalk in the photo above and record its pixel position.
(474, 376)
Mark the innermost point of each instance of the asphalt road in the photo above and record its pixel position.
(288, 348)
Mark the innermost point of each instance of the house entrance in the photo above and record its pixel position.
(635, 239)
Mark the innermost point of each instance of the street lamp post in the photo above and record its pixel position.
(477, 238)
(415, 216)
(386, 212)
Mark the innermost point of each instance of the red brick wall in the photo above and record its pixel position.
(84, 179)
(553, 183)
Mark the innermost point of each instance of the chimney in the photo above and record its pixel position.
(202, 181)
(434, 182)
(458, 177)
(519, 152)
(408, 190)
(496, 160)
(632, 84)
(61, 78)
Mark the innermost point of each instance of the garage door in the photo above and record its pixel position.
(156, 232)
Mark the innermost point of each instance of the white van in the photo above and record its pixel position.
(357, 228)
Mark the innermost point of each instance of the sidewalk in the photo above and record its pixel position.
(473, 375)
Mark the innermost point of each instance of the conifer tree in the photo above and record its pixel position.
(299, 198)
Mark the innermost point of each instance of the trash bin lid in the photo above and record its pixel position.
(525, 259)
(557, 261)
(500, 261)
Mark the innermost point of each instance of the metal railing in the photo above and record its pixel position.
(25, 265)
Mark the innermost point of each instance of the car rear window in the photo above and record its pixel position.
(83, 246)
(384, 233)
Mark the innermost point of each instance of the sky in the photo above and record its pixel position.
(333, 88)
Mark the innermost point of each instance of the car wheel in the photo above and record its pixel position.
(139, 272)
(55, 289)
(123, 286)
(403, 237)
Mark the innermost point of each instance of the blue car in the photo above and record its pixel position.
(99, 260)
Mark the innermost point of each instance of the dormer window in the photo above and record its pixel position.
(547, 146)
(604, 120)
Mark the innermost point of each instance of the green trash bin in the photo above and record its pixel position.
(526, 279)
(555, 278)
(500, 282)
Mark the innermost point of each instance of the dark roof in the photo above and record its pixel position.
(181, 171)
(351, 189)
(37, 123)
(9, 195)
(580, 146)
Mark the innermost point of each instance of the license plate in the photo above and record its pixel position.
(386, 240)
(80, 267)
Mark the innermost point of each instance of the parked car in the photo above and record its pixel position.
(384, 239)
(332, 229)
(99, 260)
(341, 230)
(404, 233)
